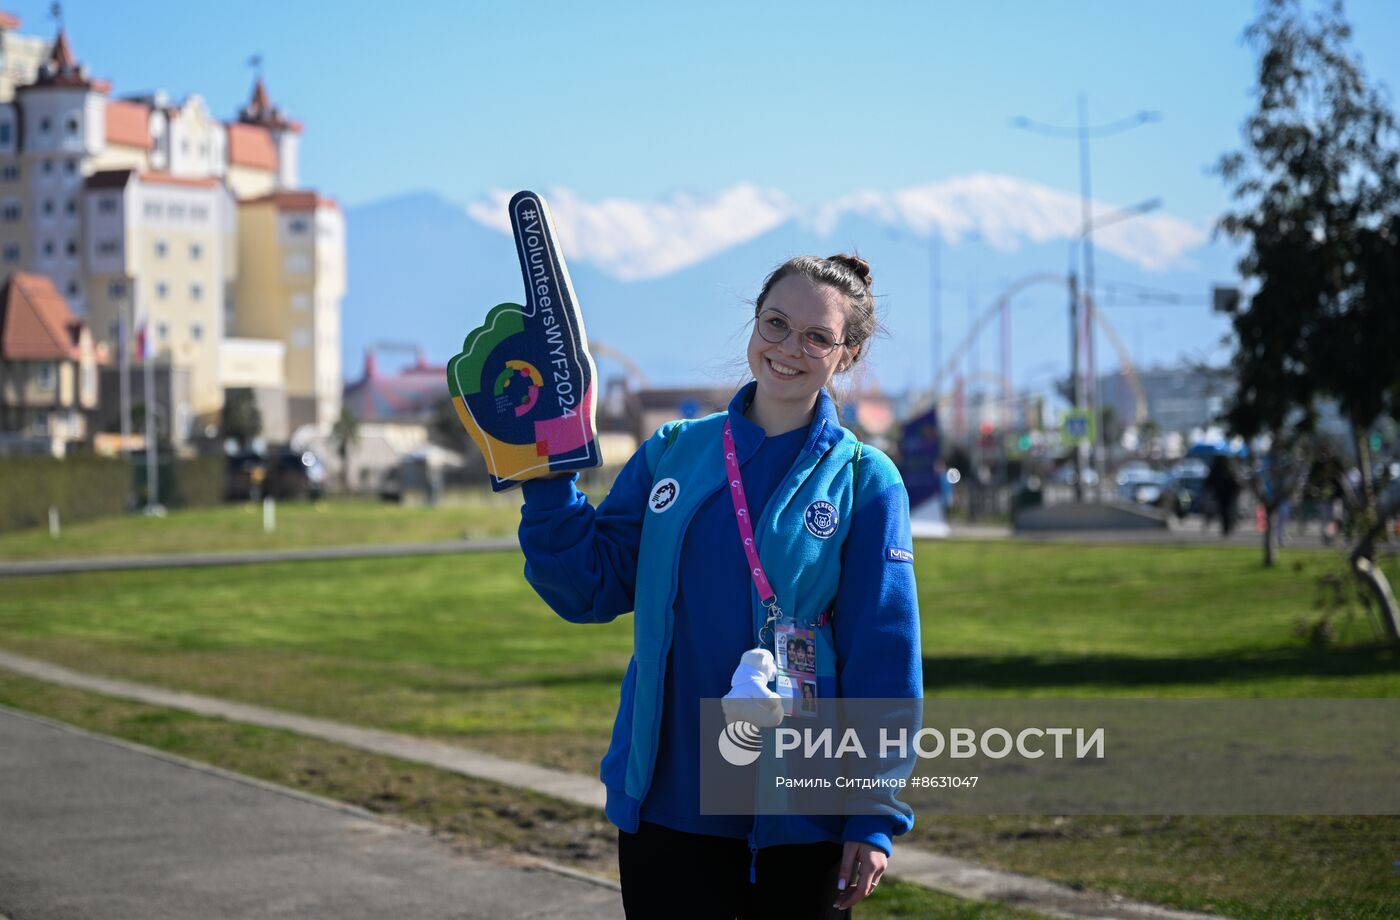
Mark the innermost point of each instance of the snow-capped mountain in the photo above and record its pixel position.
(667, 282)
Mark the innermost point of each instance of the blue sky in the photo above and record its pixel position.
(637, 100)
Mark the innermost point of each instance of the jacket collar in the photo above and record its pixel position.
(824, 431)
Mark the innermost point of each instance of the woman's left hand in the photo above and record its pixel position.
(862, 865)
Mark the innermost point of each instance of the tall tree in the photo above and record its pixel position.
(1317, 193)
(240, 418)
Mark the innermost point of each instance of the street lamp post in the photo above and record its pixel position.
(1083, 132)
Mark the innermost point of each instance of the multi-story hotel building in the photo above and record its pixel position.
(153, 215)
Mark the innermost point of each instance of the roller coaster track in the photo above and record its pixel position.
(1003, 304)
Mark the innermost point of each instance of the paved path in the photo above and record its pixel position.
(959, 877)
(1190, 532)
(99, 828)
(254, 557)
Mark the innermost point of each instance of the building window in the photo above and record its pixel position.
(72, 289)
(107, 204)
(70, 167)
(297, 263)
(161, 249)
(71, 248)
(11, 254)
(10, 173)
(41, 421)
(198, 212)
(301, 338)
(176, 211)
(116, 290)
(72, 125)
(45, 125)
(6, 133)
(10, 210)
(197, 332)
(301, 302)
(70, 207)
(109, 247)
(48, 167)
(196, 251)
(48, 247)
(297, 226)
(162, 331)
(161, 290)
(196, 291)
(48, 207)
(153, 209)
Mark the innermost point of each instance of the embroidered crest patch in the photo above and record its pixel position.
(821, 519)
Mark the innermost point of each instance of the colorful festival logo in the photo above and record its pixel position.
(518, 387)
(523, 383)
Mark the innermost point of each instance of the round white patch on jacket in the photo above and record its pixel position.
(663, 495)
(821, 519)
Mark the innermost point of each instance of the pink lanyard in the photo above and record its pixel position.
(741, 514)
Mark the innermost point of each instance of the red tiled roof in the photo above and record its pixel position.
(128, 123)
(37, 324)
(62, 69)
(61, 57)
(294, 201)
(164, 178)
(9, 21)
(251, 145)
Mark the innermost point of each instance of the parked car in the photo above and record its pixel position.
(1145, 486)
(244, 475)
(295, 474)
(282, 473)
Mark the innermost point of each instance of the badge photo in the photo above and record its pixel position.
(821, 519)
(663, 495)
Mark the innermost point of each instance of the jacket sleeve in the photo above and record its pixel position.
(582, 561)
(876, 620)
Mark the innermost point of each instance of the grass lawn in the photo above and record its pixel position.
(478, 817)
(227, 528)
(459, 648)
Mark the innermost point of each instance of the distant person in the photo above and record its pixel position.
(1225, 488)
(665, 544)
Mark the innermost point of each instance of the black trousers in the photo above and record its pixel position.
(668, 873)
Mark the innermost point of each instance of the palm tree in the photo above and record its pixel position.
(346, 433)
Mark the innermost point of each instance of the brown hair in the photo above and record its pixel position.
(850, 276)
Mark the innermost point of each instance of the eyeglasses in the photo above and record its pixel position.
(817, 341)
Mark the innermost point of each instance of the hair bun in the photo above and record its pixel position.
(857, 266)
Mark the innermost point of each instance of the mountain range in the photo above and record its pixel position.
(668, 283)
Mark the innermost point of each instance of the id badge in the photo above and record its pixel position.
(796, 648)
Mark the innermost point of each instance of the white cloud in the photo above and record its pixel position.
(636, 240)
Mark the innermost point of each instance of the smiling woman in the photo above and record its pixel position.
(815, 586)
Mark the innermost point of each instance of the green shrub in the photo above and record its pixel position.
(80, 488)
(85, 487)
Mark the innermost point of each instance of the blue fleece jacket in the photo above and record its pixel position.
(584, 563)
